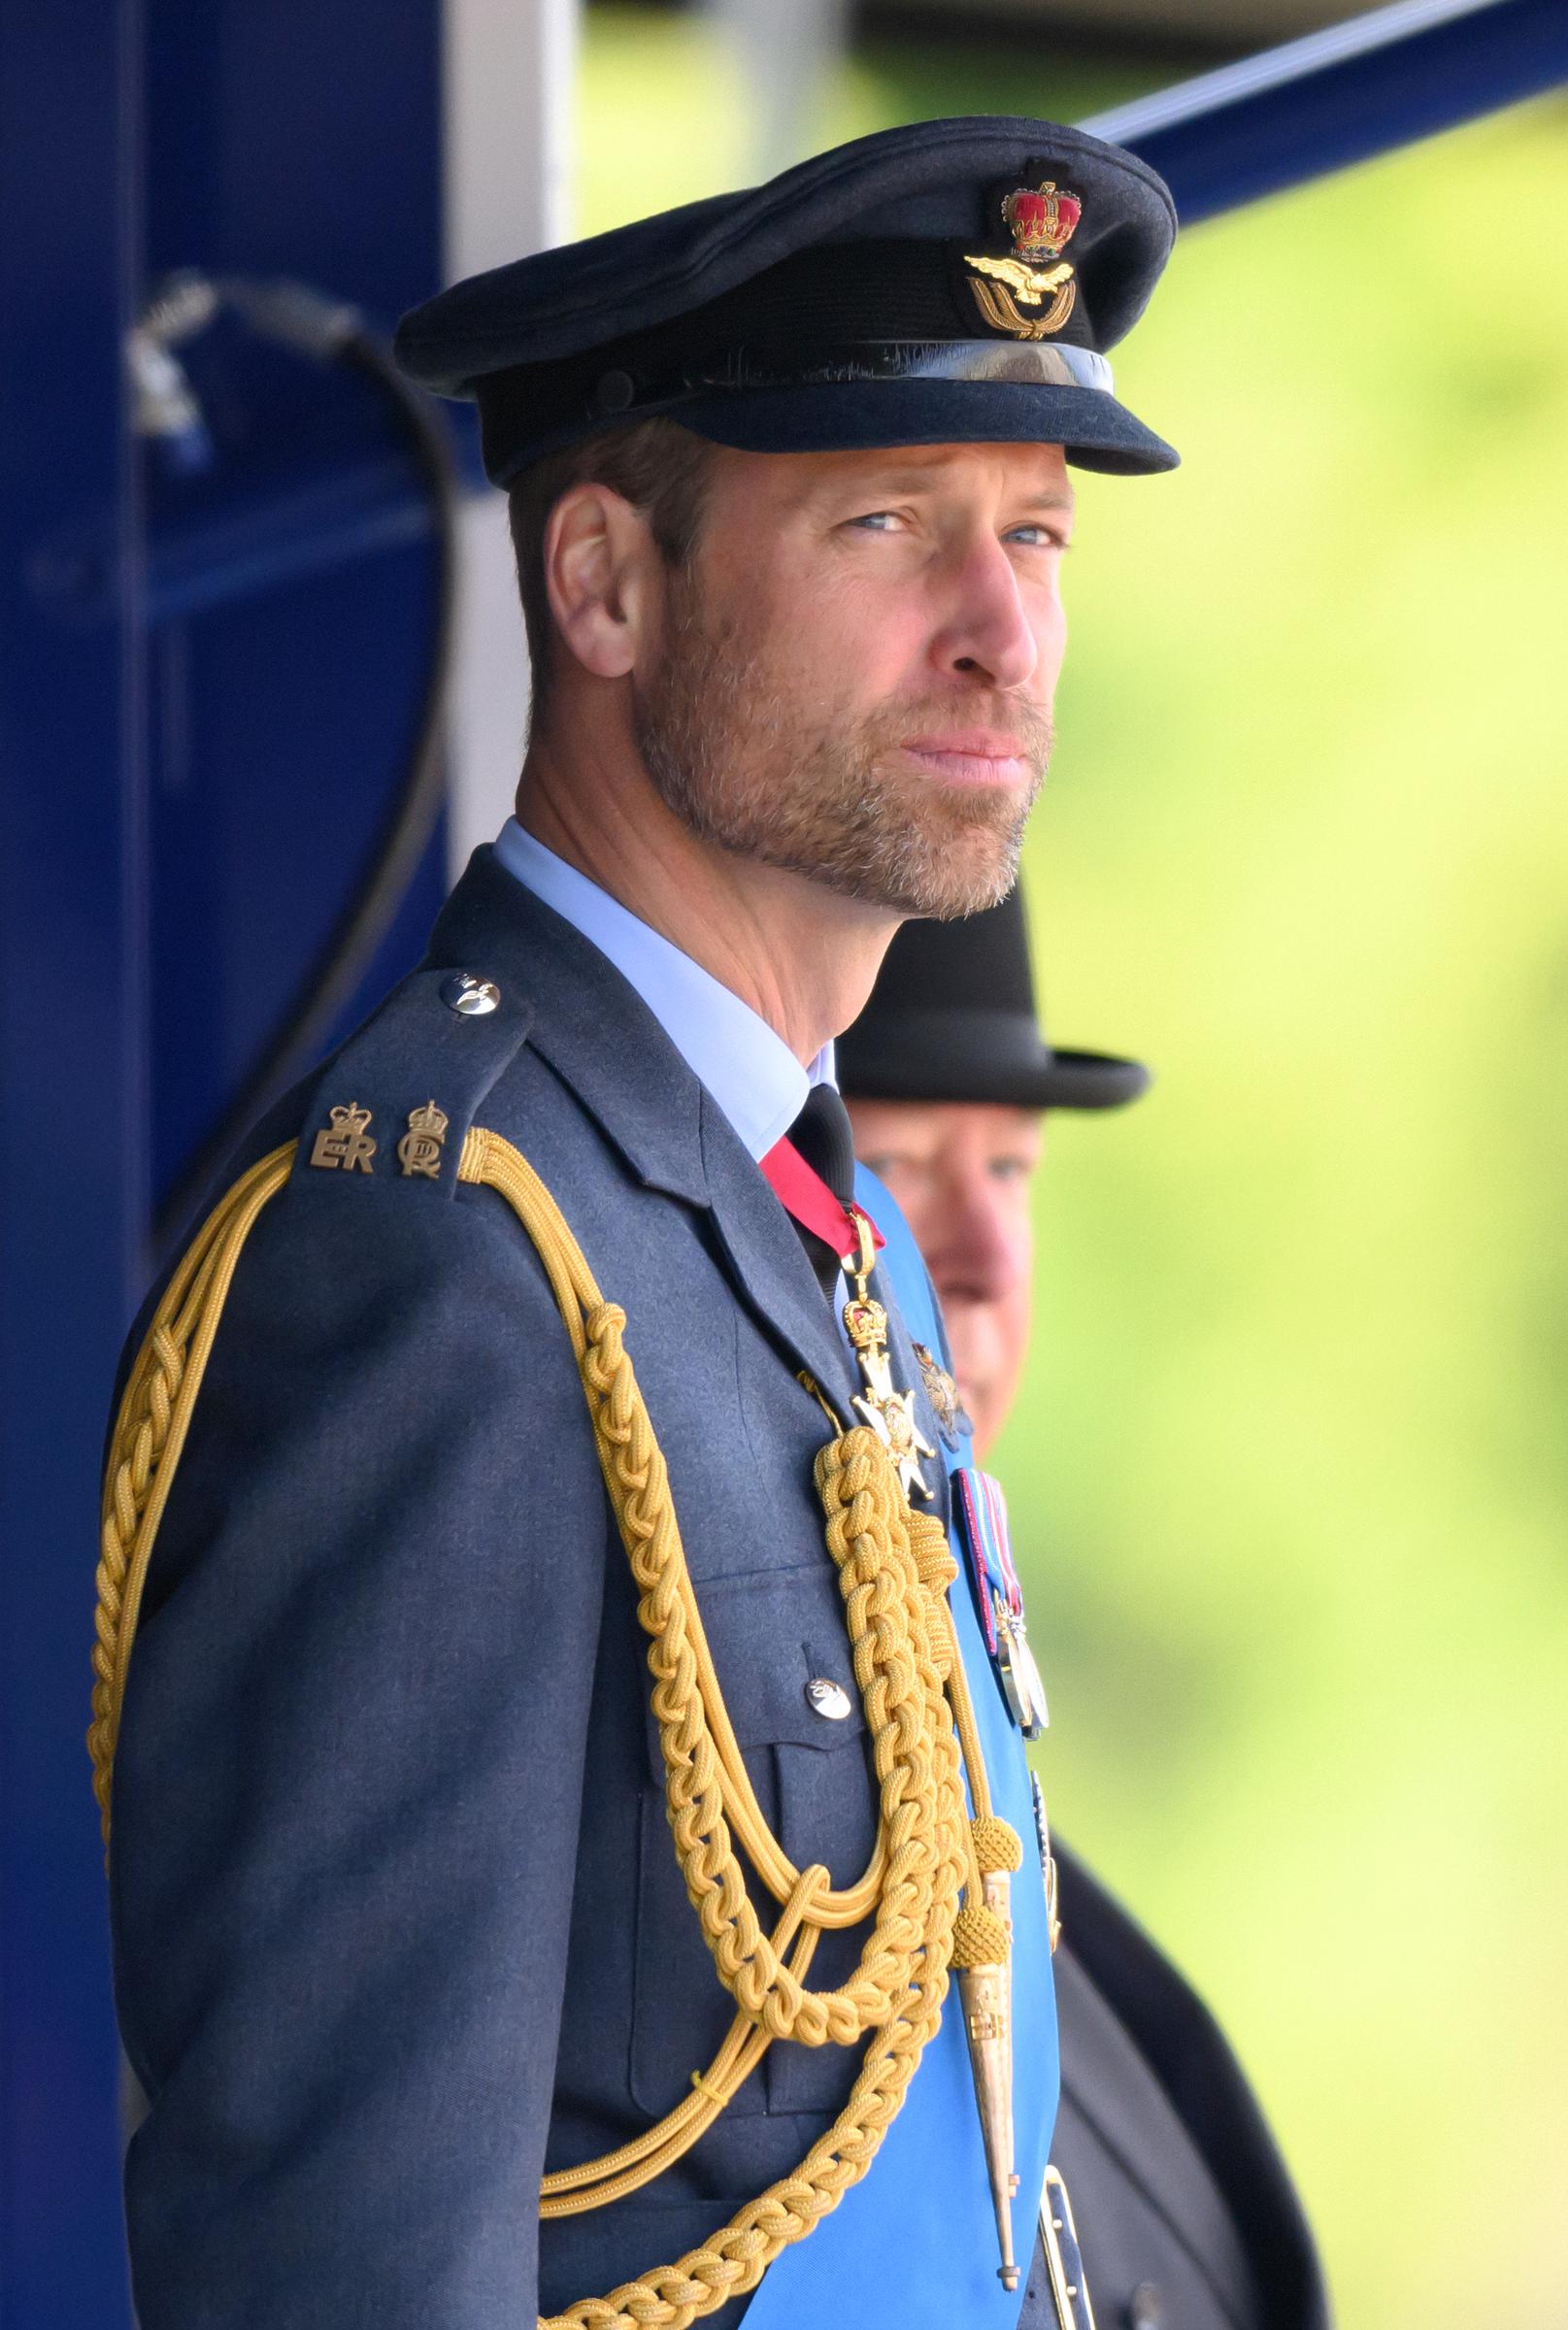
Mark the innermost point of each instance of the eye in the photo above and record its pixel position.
(879, 521)
(1009, 1169)
(1038, 538)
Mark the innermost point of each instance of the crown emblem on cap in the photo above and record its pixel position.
(1041, 220)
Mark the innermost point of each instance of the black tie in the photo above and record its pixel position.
(821, 1133)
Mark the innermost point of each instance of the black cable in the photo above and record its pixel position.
(293, 312)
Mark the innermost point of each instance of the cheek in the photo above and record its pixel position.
(1048, 619)
(917, 1200)
(979, 1344)
(966, 1365)
(1012, 1325)
(870, 636)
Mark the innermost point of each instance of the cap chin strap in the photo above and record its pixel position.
(1030, 364)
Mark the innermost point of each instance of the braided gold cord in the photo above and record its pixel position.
(595, 2183)
(149, 1432)
(893, 1616)
(893, 1571)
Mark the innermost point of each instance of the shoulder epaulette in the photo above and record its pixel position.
(396, 1101)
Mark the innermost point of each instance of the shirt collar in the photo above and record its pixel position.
(745, 1064)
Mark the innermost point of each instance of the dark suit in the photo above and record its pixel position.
(1185, 2213)
(397, 1920)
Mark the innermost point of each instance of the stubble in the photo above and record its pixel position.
(751, 765)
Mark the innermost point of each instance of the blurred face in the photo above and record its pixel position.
(857, 664)
(960, 1173)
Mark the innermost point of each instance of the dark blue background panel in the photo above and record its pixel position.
(290, 653)
(72, 1128)
(281, 723)
(292, 139)
(241, 729)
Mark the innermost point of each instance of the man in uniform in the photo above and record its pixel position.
(470, 1980)
(1185, 2209)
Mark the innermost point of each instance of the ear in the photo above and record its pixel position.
(600, 571)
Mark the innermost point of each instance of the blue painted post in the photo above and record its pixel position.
(1341, 96)
(73, 1143)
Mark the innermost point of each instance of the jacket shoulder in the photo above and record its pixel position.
(395, 1103)
(378, 1132)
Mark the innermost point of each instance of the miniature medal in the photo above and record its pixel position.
(1022, 1686)
(981, 1511)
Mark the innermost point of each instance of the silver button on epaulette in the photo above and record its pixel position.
(472, 997)
(827, 1698)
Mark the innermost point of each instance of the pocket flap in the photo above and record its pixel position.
(782, 1654)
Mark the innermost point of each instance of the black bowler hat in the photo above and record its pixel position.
(952, 1018)
(949, 283)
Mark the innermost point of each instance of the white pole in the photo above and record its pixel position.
(509, 89)
(788, 51)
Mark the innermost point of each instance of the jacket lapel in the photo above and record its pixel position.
(765, 1258)
(602, 1039)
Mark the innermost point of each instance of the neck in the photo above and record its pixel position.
(801, 956)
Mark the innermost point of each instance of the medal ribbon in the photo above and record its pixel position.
(990, 1545)
(1002, 1539)
(804, 1194)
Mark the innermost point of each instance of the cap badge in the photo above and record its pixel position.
(1041, 220)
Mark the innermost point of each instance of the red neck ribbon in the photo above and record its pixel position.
(802, 1192)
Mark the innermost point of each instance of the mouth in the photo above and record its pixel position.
(972, 756)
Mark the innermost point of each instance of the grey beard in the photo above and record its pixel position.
(722, 756)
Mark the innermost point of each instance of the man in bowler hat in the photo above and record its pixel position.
(1185, 2209)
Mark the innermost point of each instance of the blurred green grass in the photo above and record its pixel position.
(1288, 1474)
(1293, 1444)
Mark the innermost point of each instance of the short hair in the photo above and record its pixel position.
(657, 466)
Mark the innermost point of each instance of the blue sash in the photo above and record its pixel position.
(913, 2245)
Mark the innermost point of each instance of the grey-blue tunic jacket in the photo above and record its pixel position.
(398, 1923)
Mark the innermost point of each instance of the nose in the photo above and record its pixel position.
(990, 635)
(983, 1257)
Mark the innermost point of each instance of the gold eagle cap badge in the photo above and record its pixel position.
(1041, 220)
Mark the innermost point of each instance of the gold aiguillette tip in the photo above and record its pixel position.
(983, 1992)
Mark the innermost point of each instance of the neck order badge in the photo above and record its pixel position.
(848, 1230)
(927, 2197)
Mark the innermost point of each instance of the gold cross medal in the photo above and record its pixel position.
(890, 1414)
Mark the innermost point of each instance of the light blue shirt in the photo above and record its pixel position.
(745, 1065)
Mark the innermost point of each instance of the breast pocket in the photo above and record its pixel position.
(782, 1656)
